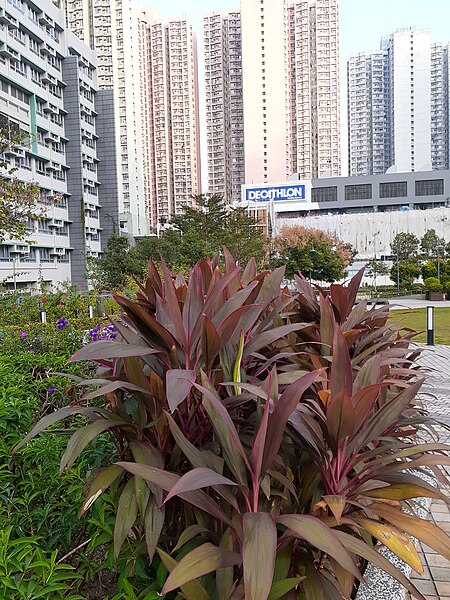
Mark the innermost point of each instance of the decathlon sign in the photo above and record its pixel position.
(280, 193)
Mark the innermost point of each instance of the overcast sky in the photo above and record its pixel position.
(362, 23)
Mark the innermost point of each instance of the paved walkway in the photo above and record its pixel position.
(435, 583)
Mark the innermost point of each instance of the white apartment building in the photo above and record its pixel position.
(47, 86)
(398, 105)
(112, 29)
(367, 113)
(440, 106)
(169, 91)
(224, 104)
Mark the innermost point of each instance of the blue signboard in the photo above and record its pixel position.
(276, 193)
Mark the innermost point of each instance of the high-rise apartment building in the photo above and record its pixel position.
(112, 29)
(397, 105)
(440, 106)
(313, 50)
(169, 91)
(224, 104)
(48, 89)
(367, 113)
(266, 91)
(284, 56)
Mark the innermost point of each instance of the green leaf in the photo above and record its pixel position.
(320, 536)
(192, 590)
(327, 324)
(81, 438)
(154, 522)
(99, 484)
(50, 419)
(281, 588)
(224, 577)
(200, 561)
(195, 479)
(259, 552)
(127, 511)
(188, 534)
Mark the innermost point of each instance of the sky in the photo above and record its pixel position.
(362, 24)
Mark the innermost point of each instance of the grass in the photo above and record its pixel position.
(416, 318)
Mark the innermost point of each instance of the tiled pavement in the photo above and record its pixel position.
(435, 582)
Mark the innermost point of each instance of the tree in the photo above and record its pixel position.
(405, 272)
(111, 270)
(244, 237)
(315, 253)
(18, 199)
(429, 269)
(432, 245)
(405, 246)
(374, 268)
(200, 231)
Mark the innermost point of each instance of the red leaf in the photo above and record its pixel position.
(178, 385)
(353, 287)
(210, 342)
(340, 300)
(341, 367)
(285, 406)
(197, 479)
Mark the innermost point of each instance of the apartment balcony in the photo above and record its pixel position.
(7, 19)
(7, 52)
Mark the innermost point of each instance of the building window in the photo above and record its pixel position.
(4, 254)
(44, 255)
(430, 187)
(324, 194)
(394, 189)
(362, 191)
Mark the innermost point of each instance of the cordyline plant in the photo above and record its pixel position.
(267, 439)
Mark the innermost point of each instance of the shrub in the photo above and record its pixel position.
(432, 284)
(266, 437)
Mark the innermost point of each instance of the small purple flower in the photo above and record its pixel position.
(23, 335)
(62, 303)
(62, 322)
(51, 389)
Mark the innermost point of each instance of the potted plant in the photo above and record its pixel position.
(266, 437)
(433, 288)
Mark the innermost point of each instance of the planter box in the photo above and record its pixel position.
(435, 296)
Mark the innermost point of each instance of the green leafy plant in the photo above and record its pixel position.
(267, 438)
(432, 284)
(28, 573)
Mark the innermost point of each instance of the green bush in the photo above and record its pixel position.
(432, 284)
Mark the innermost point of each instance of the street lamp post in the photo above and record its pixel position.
(438, 261)
(398, 276)
(312, 250)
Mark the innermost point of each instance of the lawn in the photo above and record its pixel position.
(416, 318)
